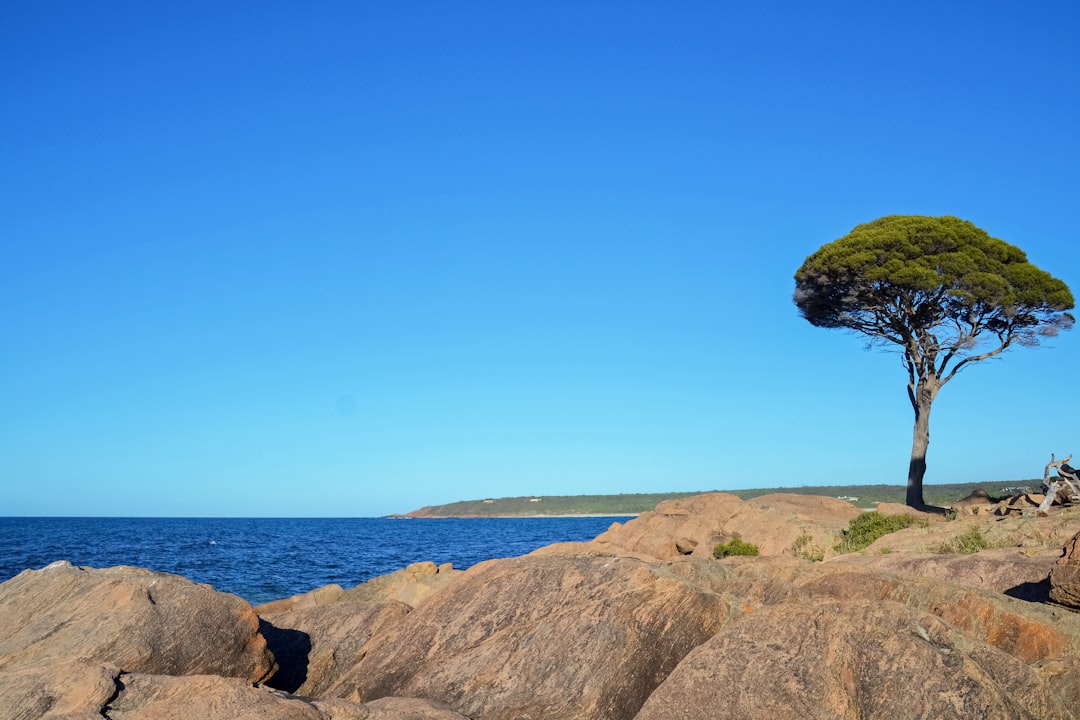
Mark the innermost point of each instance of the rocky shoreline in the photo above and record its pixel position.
(641, 623)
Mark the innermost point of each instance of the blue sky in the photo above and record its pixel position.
(350, 259)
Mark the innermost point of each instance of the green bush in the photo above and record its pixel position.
(734, 546)
(805, 548)
(968, 542)
(867, 528)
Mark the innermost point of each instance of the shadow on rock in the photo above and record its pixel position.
(1038, 592)
(291, 649)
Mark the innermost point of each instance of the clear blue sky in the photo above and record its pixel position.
(352, 258)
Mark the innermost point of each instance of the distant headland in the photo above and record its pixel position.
(865, 496)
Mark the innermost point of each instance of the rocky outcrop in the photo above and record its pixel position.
(1065, 575)
(410, 585)
(317, 636)
(62, 689)
(137, 620)
(847, 660)
(150, 697)
(85, 691)
(640, 623)
(778, 524)
(1012, 571)
(543, 636)
(316, 646)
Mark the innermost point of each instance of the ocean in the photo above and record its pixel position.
(272, 558)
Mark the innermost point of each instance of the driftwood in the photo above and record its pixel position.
(1065, 487)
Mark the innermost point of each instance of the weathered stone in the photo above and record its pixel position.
(542, 637)
(135, 619)
(601, 630)
(1065, 575)
(1007, 570)
(847, 660)
(1027, 631)
(410, 585)
(410, 709)
(315, 646)
(70, 690)
(84, 691)
(319, 596)
(208, 697)
(977, 502)
(776, 523)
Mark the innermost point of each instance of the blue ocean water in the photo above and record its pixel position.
(267, 559)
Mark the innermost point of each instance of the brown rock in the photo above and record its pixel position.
(315, 646)
(319, 596)
(410, 709)
(849, 660)
(70, 690)
(776, 523)
(207, 697)
(1028, 631)
(83, 691)
(1065, 575)
(410, 585)
(543, 637)
(135, 619)
(1006, 570)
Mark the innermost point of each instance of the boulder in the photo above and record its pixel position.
(393, 708)
(209, 697)
(156, 697)
(544, 637)
(87, 691)
(779, 524)
(847, 660)
(1011, 571)
(72, 690)
(1030, 632)
(319, 596)
(315, 646)
(410, 585)
(135, 619)
(1065, 575)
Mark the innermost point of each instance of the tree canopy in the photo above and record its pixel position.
(942, 290)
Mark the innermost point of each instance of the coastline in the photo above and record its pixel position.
(511, 517)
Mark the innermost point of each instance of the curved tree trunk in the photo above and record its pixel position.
(921, 400)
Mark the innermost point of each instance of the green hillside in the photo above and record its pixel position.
(631, 504)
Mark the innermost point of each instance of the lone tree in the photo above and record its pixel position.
(943, 291)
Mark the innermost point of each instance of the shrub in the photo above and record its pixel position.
(868, 527)
(968, 542)
(805, 548)
(734, 546)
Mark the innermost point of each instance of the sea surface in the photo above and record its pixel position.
(267, 559)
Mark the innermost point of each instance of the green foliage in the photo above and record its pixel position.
(940, 274)
(805, 548)
(968, 542)
(868, 527)
(734, 546)
(941, 290)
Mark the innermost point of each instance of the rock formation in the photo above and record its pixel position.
(640, 623)
(136, 619)
(1065, 575)
(694, 525)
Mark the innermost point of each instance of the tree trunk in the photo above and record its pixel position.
(921, 401)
